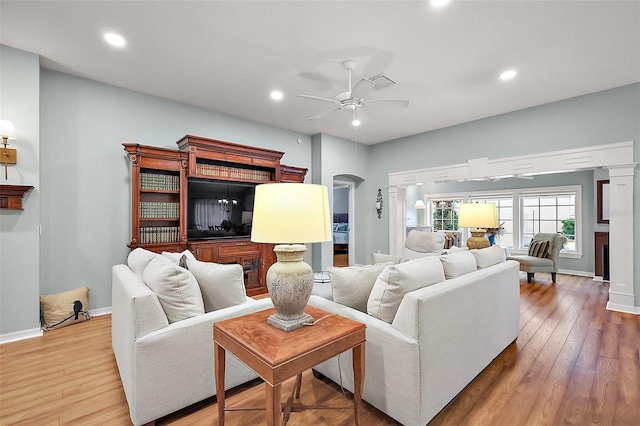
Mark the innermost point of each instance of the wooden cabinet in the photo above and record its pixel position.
(292, 174)
(241, 251)
(159, 201)
(158, 177)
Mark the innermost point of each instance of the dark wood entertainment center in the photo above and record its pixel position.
(159, 199)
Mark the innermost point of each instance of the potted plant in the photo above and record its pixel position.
(492, 233)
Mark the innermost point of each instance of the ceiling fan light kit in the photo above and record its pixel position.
(354, 98)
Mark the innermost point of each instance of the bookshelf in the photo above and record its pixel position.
(159, 199)
(157, 214)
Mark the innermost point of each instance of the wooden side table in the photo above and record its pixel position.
(277, 356)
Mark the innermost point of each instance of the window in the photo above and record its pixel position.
(521, 212)
(445, 215)
(504, 206)
(549, 213)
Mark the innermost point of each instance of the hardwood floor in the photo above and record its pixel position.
(573, 363)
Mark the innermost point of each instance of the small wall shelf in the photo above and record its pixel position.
(11, 196)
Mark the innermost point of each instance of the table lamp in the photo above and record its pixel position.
(289, 215)
(478, 216)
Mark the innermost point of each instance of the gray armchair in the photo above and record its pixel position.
(532, 264)
(418, 244)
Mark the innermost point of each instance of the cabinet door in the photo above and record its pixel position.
(267, 258)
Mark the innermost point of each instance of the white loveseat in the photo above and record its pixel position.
(167, 366)
(441, 337)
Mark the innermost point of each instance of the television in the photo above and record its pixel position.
(219, 209)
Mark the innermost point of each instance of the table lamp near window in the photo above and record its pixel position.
(478, 216)
(290, 214)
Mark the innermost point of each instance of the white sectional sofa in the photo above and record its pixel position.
(166, 366)
(442, 335)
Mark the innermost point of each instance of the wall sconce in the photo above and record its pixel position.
(379, 203)
(9, 155)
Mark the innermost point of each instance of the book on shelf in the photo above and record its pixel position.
(159, 181)
(159, 234)
(214, 170)
(159, 210)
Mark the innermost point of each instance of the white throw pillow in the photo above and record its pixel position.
(352, 285)
(454, 249)
(139, 258)
(221, 285)
(176, 288)
(175, 257)
(458, 263)
(384, 258)
(397, 280)
(489, 256)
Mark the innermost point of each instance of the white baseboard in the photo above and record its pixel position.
(37, 332)
(20, 335)
(578, 273)
(101, 311)
(623, 308)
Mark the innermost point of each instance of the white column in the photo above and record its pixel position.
(397, 223)
(621, 259)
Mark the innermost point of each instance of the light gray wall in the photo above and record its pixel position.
(19, 234)
(86, 205)
(604, 117)
(334, 156)
(341, 200)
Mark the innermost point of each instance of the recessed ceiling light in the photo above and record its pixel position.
(355, 122)
(439, 3)
(277, 95)
(508, 75)
(115, 40)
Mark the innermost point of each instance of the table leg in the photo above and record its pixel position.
(274, 404)
(219, 353)
(358, 380)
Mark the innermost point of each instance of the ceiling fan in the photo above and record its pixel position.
(354, 98)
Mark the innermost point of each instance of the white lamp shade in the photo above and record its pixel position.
(7, 130)
(291, 213)
(420, 205)
(478, 215)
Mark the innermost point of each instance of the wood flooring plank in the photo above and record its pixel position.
(574, 363)
(603, 393)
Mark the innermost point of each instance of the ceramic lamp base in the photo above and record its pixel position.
(478, 240)
(290, 282)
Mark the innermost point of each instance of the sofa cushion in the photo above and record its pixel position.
(221, 285)
(458, 263)
(382, 258)
(352, 285)
(139, 258)
(59, 310)
(175, 257)
(540, 248)
(397, 280)
(454, 249)
(489, 256)
(176, 288)
(419, 244)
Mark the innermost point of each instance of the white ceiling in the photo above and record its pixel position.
(228, 55)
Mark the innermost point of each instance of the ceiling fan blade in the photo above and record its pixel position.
(386, 103)
(323, 114)
(318, 98)
(361, 89)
